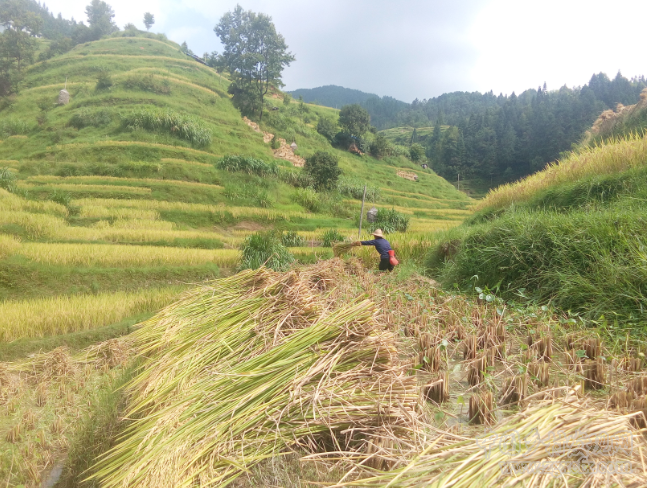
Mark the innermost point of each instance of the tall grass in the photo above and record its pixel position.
(14, 203)
(120, 213)
(9, 245)
(184, 127)
(611, 156)
(111, 255)
(265, 249)
(247, 164)
(60, 315)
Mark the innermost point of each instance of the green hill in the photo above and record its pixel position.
(572, 234)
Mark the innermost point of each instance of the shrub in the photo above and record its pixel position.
(390, 221)
(298, 179)
(330, 237)
(188, 128)
(85, 117)
(7, 180)
(104, 81)
(292, 239)
(61, 197)
(323, 167)
(247, 164)
(265, 249)
(308, 199)
(13, 127)
(275, 144)
(380, 146)
(327, 128)
(250, 192)
(417, 153)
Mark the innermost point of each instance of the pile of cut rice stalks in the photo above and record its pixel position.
(553, 443)
(248, 367)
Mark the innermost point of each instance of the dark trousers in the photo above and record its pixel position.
(385, 264)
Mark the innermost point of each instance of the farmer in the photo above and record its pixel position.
(387, 255)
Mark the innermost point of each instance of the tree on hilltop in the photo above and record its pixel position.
(354, 120)
(149, 20)
(255, 56)
(100, 16)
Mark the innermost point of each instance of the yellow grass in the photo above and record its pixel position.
(100, 212)
(425, 226)
(132, 190)
(36, 226)
(193, 207)
(129, 235)
(14, 203)
(8, 245)
(100, 180)
(61, 315)
(184, 161)
(609, 157)
(137, 224)
(111, 255)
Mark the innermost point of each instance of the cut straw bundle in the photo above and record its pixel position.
(341, 248)
(560, 444)
(248, 367)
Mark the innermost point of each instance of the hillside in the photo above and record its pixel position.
(113, 204)
(331, 95)
(571, 235)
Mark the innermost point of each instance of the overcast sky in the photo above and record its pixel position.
(421, 48)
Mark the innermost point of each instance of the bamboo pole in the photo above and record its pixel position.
(361, 215)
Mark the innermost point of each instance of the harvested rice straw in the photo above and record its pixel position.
(341, 248)
(248, 367)
(565, 443)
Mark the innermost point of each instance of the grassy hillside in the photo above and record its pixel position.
(112, 205)
(572, 235)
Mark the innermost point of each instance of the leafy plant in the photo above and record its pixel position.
(85, 117)
(323, 167)
(104, 81)
(7, 180)
(390, 221)
(265, 249)
(292, 239)
(330, 237)
(61, 197)
(355, 189)
(308, 199)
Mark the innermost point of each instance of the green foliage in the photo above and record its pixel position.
(149, 20)
(265, 249)
(390, 221)
(61, 197)
(247, 164)
(104, 81)
(15, 127)
(100, 16)
(330, 237)
(355, 189)
(298, 179)
(380, 147)
(308, 199)
(147, 83)
(84, 117)
(292, 239)
(417, 153)
(255, 56)
(7, 180)
(247, 193)
(327, 128)
(354, 120)
(184, 127)
(287, 99)
(323, 167)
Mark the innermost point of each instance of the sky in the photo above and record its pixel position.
(421, 49)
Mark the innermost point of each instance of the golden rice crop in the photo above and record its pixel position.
(8, 245)
(129, 235)
(120, 213)
(135, 224)
(429, 226)
(116, 255)
(36, 226)
(10, 202)
(83, 145)
(133, 190)
(100, 180)
(269, 214)
(612, 156)
(251, 366)
(184, 161)
(60, 315)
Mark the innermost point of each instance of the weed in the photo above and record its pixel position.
(265, 249)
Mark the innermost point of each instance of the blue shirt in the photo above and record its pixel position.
(382, 246)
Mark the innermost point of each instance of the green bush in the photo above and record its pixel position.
(265, 249)
(247, 164)
(390, 221)
(330, 237)
(247, 193)
(292, 239)
(85, 117)
(323, 167)
(104, 81)
(14, 127)
(61, 197)
(7, 180)
(327, 128)
(188, 128)
(298, 179)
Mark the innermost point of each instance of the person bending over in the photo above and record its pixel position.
(383, 247)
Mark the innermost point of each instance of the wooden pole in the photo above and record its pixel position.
(459, 182)
(361, 215)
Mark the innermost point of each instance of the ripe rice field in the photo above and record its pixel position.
(64, 314)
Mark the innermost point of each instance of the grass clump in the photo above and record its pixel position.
(330, 237)
(84, 117)
(181, 126)
(355, 189)
(247, 164)
(265, 249)
(292, 239)
(390, 221)
(7, 180)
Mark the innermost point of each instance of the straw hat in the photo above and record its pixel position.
(378, 233)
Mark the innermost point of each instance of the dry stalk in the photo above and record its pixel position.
(438, 390)
(481, 408)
